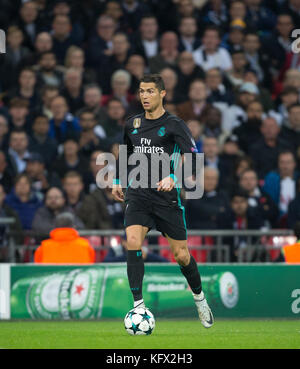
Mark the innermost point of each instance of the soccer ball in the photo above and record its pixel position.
(139, 321)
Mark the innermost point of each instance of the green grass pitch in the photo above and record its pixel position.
(168, 334)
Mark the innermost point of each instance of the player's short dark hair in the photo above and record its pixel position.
(154, 78)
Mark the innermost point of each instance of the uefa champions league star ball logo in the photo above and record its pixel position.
(229, 290)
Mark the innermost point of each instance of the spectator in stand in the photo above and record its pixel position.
(292, 7)
(18, 151)
(65, 245)
(70, 159)
(15, 55)
(236, 75)
(187, 8)
(210, 54)
(100, 42)
(54, 204)
(235, 114)
(259, 199)
(249, 132)
(257, 58)
(278, 44)
(203, 213)
(47, 94)
(146, 42)
(19, 114)
(65, 7)
(173, 95)
(43, 42)
(62, 37)
(239, 216)
(116, 61)
(290, 78)
(75, 59)
(73, 188)
(230, 152)
(187, 71)
(264, 94)
(212, 159)
(40, 142)
(196, 130)
(47, 71)
(168, 54)
(217, 92)
(23, 200)
(92, 95)
(120, 85)
(188, 40)
(197, 106)
(73, 89)
(136, 66)
(6, 175)
(215, 14)
(133, 11)
(260, 17)
(291, 130)
(7, 212)
(100, 211)
(92, 171)
(28, 22)
(237, 11)
(233, 41)
(114, 9)
(113, 125)
(240, 164)
(41, 178)
(281, 183)
(90, 138)
(288, 97)
(265, 151)
(212, 125)
(63, 123)
(26, 88)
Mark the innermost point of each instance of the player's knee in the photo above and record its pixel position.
(133, 243)
(182, 256)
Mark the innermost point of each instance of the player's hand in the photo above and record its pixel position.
(117, 193)
(167, 184)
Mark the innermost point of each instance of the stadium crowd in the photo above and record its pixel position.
(69, 79)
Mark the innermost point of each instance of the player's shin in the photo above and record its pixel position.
(135, 273)
(192, 275)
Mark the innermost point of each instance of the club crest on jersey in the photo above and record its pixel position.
(161, 132)
(137, 123)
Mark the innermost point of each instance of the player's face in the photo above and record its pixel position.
(151, 97)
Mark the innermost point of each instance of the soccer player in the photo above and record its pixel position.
(157, 131)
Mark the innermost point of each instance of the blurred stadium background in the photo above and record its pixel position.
(68, 80)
